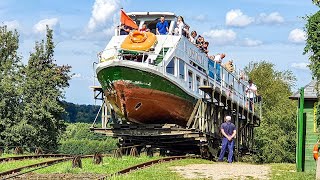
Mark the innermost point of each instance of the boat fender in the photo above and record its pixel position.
(138, 37)
(316, 151)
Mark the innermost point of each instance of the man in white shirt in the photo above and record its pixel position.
(219, 57)
(251, 93)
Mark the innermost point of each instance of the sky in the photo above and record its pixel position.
(245, 30)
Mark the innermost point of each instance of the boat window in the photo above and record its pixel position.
(181, 69)
(198, 84)
(151, 25)
(190, 77)
(170, 67)
(137, 22)
(205, 82)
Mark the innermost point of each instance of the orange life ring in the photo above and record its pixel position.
(128, 43)
(316, 151)
(138, 37)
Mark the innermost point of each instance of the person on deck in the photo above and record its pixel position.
(204, 47)
(162, 26)
(193, 36)
(124, 30)
(185, 31)
(251, 93)
(218, 60)
(229, 66)
(228, 130)
(180, 26)
(219, 57)
(144, 28)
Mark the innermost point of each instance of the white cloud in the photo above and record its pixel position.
(40, 27)
(237, 19)
(102, 12)
(297, 36)
(77, 75)
(301, 65)
(221, 36)
(12, 25)
(200, 17)
(272, 18)
(251, 42)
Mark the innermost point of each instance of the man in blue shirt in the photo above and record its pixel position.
(162, 26)
(228, 130)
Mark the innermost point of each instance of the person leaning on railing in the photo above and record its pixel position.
(229, 66)
(251, 93)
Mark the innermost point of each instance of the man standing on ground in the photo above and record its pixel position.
(228, 130)
(162, 26)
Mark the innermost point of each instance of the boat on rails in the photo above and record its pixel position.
(155, 79)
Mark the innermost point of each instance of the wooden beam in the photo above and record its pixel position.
(195, 109)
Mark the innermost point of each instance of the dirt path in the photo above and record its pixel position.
(223, 171)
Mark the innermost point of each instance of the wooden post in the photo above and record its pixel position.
(103, 116)
(237, 135)
(318, 170)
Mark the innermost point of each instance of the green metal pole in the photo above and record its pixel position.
(301, 142)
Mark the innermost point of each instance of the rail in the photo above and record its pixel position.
(17, 171)
(16, 158)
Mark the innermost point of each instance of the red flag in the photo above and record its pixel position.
(126, 20)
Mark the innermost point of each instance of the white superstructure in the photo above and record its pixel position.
(176, 59)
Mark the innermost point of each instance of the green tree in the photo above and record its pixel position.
(316, 2)
(42, 93)
(10, 84)
(312, 47)
(276, 137)
(312, 44)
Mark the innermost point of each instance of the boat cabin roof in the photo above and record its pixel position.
(151, 15)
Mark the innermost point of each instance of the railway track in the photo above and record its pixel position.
(16, 171)
(13, 172)
(16, 158)
(144, 165)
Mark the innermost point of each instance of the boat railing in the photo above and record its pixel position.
(234, 83)
(125, 54)
(235, 88)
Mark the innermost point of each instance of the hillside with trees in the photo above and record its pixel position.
(80, 113)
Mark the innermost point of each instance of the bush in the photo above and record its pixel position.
(78, 139)
(86, 146)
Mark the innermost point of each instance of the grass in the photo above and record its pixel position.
(279, 171)
(5, 166)
(161, 171)
(285, 171)
(110, 165)
(10, 155)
